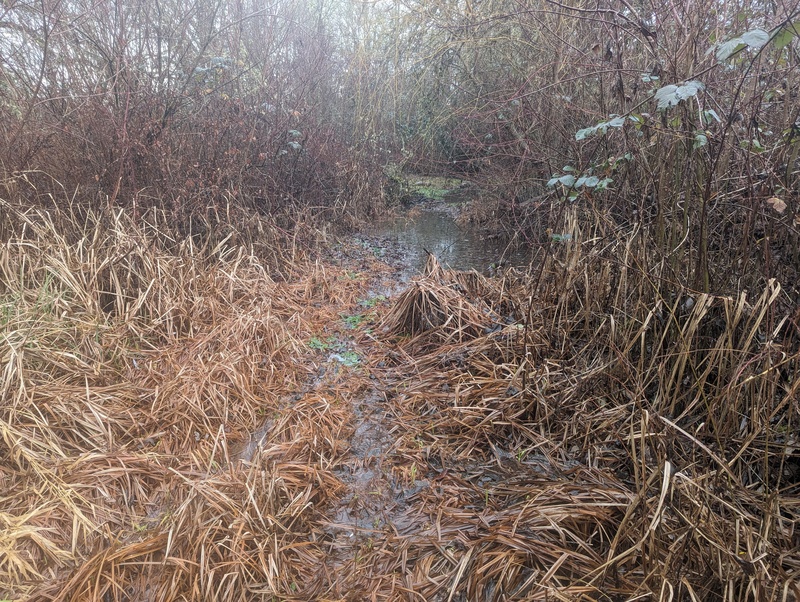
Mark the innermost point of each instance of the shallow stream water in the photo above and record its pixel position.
(435, 230)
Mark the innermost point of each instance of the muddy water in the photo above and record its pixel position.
(435, 230)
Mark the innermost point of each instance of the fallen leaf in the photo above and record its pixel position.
(777, 204)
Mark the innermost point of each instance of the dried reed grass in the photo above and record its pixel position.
(135, 371)
(444, 307)
(168, 433)
(678, 411)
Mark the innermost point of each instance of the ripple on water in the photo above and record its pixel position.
(455, 247)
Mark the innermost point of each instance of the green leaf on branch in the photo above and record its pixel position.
(601, 128)
(587, 181)
(671, 95)
(755, 38)
(567, 180)
(726, 50)
(753, 145)
(700, 140)
(785, 34)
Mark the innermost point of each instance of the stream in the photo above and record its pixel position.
(375, 504)
(435, 230)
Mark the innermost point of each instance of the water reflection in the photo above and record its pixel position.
(455, 247)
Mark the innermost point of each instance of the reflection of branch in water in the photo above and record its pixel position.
(445, 248)
(456, 247)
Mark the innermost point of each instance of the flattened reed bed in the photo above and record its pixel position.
(168, 430)
(133, 374)
(681, 406)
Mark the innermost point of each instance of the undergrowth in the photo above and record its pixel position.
(184, 349)
(172, 423)
(136, 366)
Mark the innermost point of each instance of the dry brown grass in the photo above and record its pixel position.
(170, 432)
(613, 445)
(134, 374)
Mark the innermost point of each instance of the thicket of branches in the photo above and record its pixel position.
(199, 108)
(302, 105)
(518, 93)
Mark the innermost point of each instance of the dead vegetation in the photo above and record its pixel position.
(637, 449)
(567, 434)
(203, 398)
(169, 431)
(133, 371)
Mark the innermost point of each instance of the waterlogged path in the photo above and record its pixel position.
(378, 517)
(369, 531)
(430, 477)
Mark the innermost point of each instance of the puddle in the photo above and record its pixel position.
(436, 231)
(372, 496)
